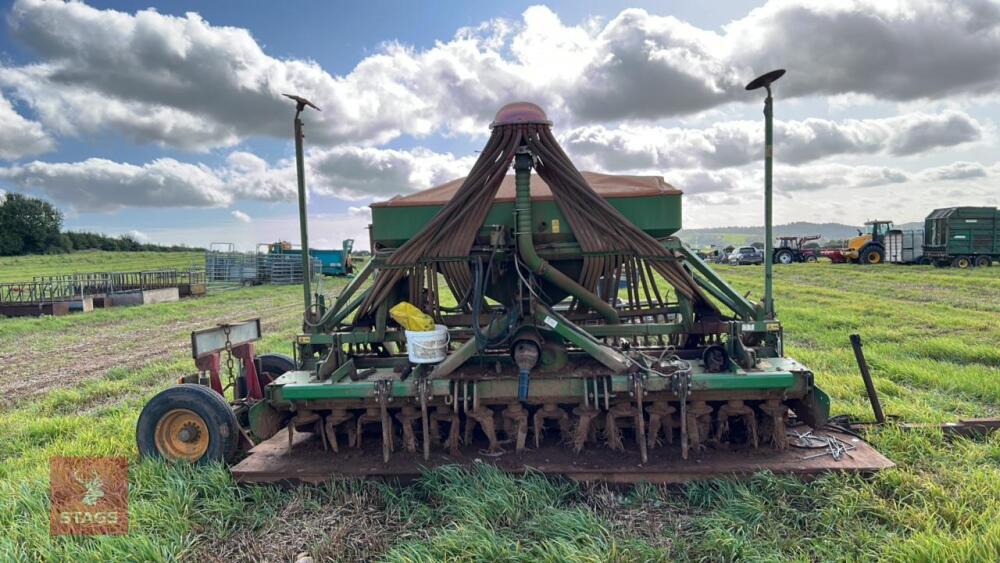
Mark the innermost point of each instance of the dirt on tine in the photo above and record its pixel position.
(131, 344)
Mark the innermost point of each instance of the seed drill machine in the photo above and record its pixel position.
(574, 324)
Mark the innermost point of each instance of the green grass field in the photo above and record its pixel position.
(932, 338)
(23, 268)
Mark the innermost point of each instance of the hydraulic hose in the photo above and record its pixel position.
(526, 246)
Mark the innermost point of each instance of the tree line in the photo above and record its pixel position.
(30, 225)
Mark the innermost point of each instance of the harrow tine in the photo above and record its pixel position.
(611, 430)
(515, 418)
(320, 428)
(585, 417)
(640, 421)
(777, 411)
(736, 409)
(424, 422)
(699, 423)
(551, 412)
(406, 417)
(383, 403)
(660, 419)
(484, 417)
(330, 433)
(684, 430)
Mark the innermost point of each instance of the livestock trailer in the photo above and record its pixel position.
(962, 236)
(334, 262)
(905, 247)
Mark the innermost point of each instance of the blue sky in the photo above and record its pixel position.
(170, 124)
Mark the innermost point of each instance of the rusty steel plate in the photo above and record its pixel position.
(307, 462)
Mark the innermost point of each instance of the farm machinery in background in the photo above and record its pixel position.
(962, 237)
(794, 249)
(866, 248)
(333, 262)
(545, 319)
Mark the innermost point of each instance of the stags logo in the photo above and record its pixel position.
(88, 496)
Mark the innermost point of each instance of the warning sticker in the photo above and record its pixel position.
(551, 322)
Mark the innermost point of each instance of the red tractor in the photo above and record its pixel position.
(792, 249)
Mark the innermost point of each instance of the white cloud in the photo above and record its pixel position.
(955, 171)
(353, 172)
(248, 176)
(348, 172)
(97, 184)
(326, 231)
(240, 216)
(735, 143)
(184, 82)
(825, 176)
(20, 137)
(138, 236)
(360, 211)
(647, 66)
(895, 50)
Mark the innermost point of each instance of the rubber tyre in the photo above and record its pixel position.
(871, 254)
(963, 262)
(983, 262)
(273, 366)
(923, 261)
(223, 430)
(811, 258)
(783, 257)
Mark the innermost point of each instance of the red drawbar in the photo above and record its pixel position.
(210, 363)
(245, 353)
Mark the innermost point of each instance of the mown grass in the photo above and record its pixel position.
(931, 337)
(23, 268)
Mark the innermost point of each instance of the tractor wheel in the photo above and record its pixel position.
(983, 262)
(811, 258)
(273, 366)
(870, 254)
(784, 257)
(188, 422)
(962, 262)
(923, 261)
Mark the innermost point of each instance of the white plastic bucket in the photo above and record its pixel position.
(427, 347)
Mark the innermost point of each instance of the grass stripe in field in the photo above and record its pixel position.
(23, 268)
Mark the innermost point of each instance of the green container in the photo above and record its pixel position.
(647, 201)
(955, 232)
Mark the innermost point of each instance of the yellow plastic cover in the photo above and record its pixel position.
(411, 318)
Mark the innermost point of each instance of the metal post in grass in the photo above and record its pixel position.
(300, 167)
(765, 81)
(866, 375)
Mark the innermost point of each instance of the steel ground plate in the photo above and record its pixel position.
(271, 461)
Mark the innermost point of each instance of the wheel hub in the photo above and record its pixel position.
(181, 434)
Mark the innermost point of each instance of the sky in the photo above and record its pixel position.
(168, 123)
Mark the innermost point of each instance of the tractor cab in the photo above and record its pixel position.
(788, 242)
(791, 249)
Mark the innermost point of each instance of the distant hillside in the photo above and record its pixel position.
(724, 236)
